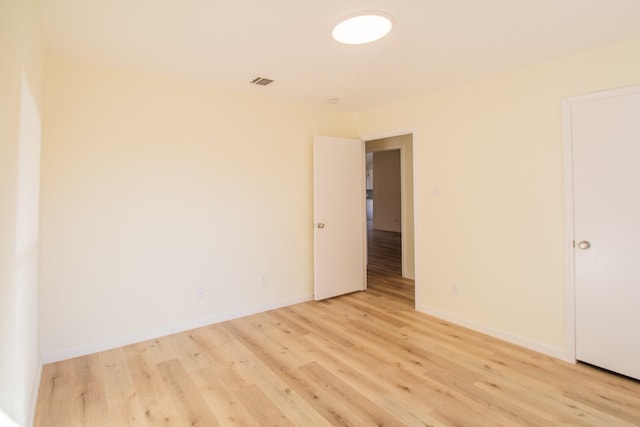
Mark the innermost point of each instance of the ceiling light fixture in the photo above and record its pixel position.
(362, 27)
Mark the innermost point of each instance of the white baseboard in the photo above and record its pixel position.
(156, 333)
(556, 352)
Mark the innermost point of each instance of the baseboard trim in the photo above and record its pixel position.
(528, 343)
(173, 329)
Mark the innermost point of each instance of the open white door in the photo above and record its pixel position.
(339, 216)
(605, 133)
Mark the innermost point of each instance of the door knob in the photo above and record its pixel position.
(584, 244)
(320, 225)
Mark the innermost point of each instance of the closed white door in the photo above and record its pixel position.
(605, 134)
(339, 216)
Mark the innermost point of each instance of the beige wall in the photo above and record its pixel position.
(20, 89)
(489, 192)
(155, 188)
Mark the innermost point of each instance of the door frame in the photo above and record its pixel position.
(403, 194)
(569, 237)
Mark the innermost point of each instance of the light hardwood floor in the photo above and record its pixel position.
(361, 359)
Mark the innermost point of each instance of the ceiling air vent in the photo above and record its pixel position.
(261, 81)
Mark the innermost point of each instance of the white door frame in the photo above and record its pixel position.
(567, 148)
(403, 225)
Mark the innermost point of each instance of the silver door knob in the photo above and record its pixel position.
(584, 245)
(320, 225)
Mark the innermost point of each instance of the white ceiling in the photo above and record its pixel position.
(433, 45)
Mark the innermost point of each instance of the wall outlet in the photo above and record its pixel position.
(200, 294)
(454, 288)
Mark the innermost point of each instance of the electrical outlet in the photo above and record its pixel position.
(200, 294)
(454, 288)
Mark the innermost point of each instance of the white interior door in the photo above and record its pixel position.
(339, 216)
(605, 132)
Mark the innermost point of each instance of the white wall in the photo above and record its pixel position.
(153, 188)
(489, 192)
(387, 207)
(20, 89)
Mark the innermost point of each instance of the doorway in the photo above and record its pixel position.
(384, 204)
(390, 221)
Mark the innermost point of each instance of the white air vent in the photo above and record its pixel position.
(261, 81)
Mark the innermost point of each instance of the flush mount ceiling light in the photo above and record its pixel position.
(362, 27)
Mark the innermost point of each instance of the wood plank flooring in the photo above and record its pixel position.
(358, 360)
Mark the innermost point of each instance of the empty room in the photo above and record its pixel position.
(191, 233)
